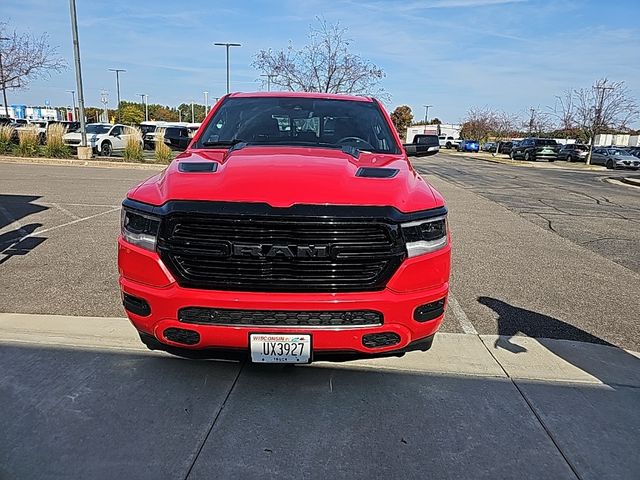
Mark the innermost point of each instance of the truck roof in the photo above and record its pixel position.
(329, 96)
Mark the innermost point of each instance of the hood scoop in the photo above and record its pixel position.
(197, 167)
(377, 172)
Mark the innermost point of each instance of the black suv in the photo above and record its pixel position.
(575, 152)
(534, 149)
(178, 138)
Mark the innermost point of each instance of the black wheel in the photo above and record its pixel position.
(448, 145)
(569, 158)
(512, 155)
(610, 165)
(106, 149)
(527, 156)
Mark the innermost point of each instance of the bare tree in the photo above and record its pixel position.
(605, 106)
(565, 112)
(24, 58)
(478, 124)
(325, 64)
(537, 122)
(503, 125)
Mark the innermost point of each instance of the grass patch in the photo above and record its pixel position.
(163, 153)
(133, 150)
(6, 138)
(28, 142)
(55, 147)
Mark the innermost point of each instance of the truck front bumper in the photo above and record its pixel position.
(420, 281)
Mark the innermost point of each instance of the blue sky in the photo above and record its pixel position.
(452, 54)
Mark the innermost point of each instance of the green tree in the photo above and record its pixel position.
(198, 112)
(162, 113)
(131, 114)
(402, 118)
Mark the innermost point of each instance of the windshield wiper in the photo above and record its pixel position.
(223, 143)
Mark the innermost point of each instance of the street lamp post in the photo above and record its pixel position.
(193, 119)
(206, 103)
(118, 70)
(84, 151)
(104, 99)
(426, 112)
(227, 45)
(4, 86)
(268, 75)
(145, 100)
(73, 96)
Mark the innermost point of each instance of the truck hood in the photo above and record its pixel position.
(285, 176)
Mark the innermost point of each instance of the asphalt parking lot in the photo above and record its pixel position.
(537, 253)
(525, 380)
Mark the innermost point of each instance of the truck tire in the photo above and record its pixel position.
(448, 145)
(527, 156)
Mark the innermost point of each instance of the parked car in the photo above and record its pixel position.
(505, 147)
(104, 138)
(178, 138)
(575, 152)
(489, 147)
(535, 149)
(635, 151)
(449, 141)
(613, 158)
(423, 146)
(469, 146)
(277, 247)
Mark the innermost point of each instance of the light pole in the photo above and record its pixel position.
(206, 103)
(268, 75)
(227, 45)
(144, 97)
(118, 70)
(192, 113)
(104, 99)
(73, 96)
(86, 151)
(426, 112)
(4, 87)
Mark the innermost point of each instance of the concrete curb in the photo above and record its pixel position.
(634, 181)
(70, 162)
(493, 356)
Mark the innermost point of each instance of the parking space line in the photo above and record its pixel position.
(73, 222)
(80, 204)
(65, 211)
(458, 312)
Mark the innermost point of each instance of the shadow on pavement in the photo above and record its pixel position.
(72, 413)
(19, 240)
(609, 365)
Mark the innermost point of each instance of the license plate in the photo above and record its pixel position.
(280, 348)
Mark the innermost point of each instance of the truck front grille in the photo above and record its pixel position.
(280, 318)
(280, 254)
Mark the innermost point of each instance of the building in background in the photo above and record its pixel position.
(33, 113)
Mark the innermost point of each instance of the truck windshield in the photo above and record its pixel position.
(294, 121)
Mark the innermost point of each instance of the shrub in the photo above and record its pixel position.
(29, 141)
(163, 153)
(133, 148)
(55, 147)
(6, 137)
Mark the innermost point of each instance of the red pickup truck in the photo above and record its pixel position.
(292, 229)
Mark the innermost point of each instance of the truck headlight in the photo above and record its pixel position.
(140, 229)
(424, 236)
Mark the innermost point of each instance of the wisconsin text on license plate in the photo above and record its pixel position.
(280, 348)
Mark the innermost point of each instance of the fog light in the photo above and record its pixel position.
(182, 335)
(136, 305)
(429, 311)
(376, 340)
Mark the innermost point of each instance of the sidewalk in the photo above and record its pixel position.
(82, 399)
